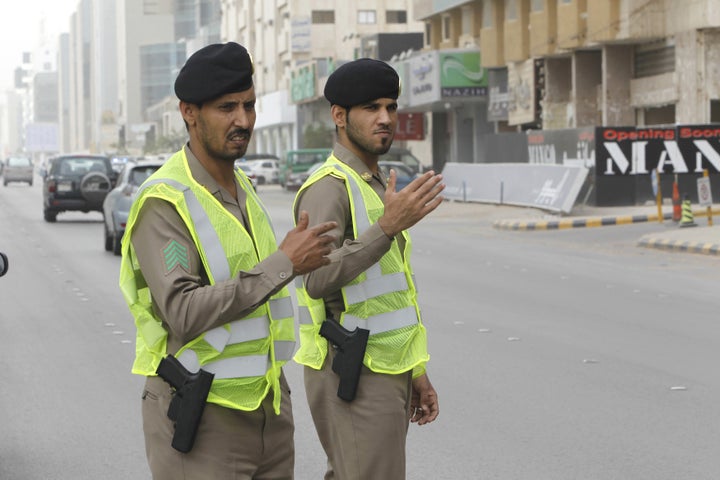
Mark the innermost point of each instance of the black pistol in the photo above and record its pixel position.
(188, 402)
(349, 356)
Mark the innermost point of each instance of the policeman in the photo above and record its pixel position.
(368, 284)
(206, 282)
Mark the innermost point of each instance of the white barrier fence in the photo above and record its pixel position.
(547, 187)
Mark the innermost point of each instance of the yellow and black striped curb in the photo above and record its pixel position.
(585, 222)
(680, 246)
(575, 222)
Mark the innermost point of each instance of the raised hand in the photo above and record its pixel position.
(405, 208)
(306, 247)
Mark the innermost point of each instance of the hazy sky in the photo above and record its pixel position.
(20, 30)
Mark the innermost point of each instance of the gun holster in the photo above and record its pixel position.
(349, 354)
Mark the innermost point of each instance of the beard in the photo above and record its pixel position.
(366, 144)
(217, 150)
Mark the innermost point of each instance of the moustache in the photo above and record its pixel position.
(239, 132)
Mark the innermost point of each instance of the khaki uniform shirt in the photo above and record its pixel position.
(184, 299)
(327, 200)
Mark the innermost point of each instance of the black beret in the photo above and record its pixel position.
(213, 71)
(362, 81)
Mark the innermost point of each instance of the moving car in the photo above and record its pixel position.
(17, 169)
(117, 203)
(77, 182)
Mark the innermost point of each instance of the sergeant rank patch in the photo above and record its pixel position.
(176, 254)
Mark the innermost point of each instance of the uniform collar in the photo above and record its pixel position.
(351, 160)
(205, 179)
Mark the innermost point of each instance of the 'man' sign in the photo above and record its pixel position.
(638, 151)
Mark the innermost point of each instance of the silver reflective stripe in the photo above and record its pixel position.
(244, 330)
(299, 282)
(361, 215)
(249, 190)
(217, 261)
(383, 322)
(249, 329)
(189, 360)
(360, 292)
(246, 366)
(217, 338)
(304, 317)
(375, 282)
(284, 350)
(281, 308)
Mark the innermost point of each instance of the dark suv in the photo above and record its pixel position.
(76, 183)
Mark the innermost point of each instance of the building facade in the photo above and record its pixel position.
(296, 44)
(557, 64)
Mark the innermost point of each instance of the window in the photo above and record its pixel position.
(323, 16)
(446, 27)
(428, 33)
(487, 14)
(367, 17)
(538, 5)
(396, 16)
(466, 21)
(511, 10)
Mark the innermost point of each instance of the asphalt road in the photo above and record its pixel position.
(569, 354)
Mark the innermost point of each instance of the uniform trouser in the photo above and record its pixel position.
(230, 444)
(363, 439)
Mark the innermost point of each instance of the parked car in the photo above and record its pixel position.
(403, 155)
(266, 169)
(17, 169)
(243, 166)
(404, 174)
(77, 182)
(117, 203)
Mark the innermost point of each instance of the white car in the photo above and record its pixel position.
(265, 168)
(245, 168)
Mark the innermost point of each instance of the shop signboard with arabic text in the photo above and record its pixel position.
(424, 85)
(462, 74)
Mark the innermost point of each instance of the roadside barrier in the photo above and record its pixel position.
(687, 214)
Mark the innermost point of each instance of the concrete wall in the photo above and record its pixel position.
(587, 79)
(617, 73)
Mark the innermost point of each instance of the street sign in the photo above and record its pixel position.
(704, 193)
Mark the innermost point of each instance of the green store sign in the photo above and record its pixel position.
(462, 75)
(302, 84)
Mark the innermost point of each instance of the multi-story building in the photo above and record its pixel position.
(147, 55)
(295, 46)
(554, 64)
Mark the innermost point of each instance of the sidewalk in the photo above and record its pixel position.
(693, 239)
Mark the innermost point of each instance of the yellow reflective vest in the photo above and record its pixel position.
(383, 299)
(245, 355)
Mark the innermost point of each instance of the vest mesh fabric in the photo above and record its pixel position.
(243, 251)
(394, 351)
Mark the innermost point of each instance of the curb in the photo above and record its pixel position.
(680, 246)
(584, 222)
(576, 222)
